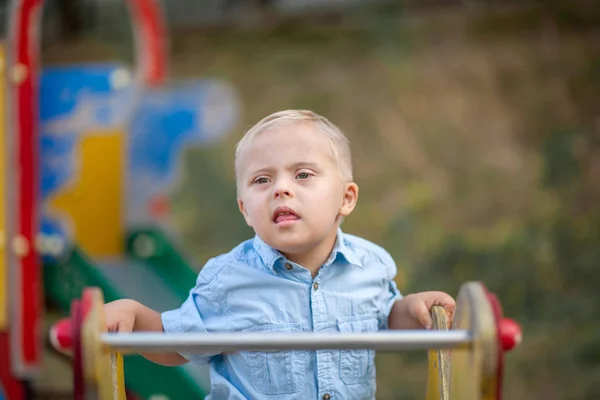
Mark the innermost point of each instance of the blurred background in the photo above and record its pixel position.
(475, 128)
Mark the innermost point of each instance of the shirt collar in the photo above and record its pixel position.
(267, 254)
(341, 249)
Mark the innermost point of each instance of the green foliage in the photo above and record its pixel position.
(560, 163)
(207, 213)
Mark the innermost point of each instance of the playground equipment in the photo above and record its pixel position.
(77, 140)
(466, 362)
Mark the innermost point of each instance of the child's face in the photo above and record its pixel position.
(290, 188)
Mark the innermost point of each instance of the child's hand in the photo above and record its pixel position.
(419, 306)
(128, 315)
(414, 310)
(120, 315)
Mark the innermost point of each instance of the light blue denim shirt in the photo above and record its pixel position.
(254, 288)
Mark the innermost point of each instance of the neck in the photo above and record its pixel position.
(314, 258)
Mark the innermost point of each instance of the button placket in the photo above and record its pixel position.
(324, 357)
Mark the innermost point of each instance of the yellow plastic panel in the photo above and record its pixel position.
(95, 198)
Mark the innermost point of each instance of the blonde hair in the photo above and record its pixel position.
(340, 145)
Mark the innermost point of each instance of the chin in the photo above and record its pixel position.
(289, 246)
(286, 245)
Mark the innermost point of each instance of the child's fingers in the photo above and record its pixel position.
(450, 315)
(125, 327)
(421, 313)
(119, 325)
(449, 306)
(444, 300)
(421, 305)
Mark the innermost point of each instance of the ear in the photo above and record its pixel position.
(350, 198)
(244, 212)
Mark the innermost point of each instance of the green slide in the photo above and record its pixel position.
(151, 271)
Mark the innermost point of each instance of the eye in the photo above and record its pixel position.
(261, 180)
(303, 175)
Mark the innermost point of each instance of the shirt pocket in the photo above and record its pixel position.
(276, 372)
(357, 366)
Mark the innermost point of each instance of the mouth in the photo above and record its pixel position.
(284, 215)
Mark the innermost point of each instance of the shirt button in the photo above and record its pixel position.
(326, 396)
(316, 286)
(288, 266)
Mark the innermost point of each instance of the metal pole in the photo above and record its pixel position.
(142, 342)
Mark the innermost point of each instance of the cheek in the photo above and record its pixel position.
(255, 207)
(327, 200)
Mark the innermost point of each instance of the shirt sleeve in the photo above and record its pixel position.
(201, 312)
(390, 293)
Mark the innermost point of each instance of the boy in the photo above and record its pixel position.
(299, 273)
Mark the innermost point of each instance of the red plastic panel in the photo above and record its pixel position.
(150, 32)
(27, 295)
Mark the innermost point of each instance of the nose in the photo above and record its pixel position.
(281, 189)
